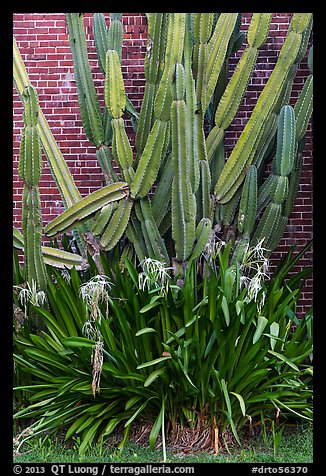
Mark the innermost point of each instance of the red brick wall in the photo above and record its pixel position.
(43, 43)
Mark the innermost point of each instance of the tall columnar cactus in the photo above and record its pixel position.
(282, 166)
(89, 105)
(174, 189)
(30, 169)
(183, 198)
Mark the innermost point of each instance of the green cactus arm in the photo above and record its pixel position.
(111, 39)
(191, 101)
(30, 162)
(32, 231)
(100, 32)
(115, 100)
(213, 140)
(135, 237)
(202, 236)
(183, 199)
(102, 218)
(162, 195)
(63, 259)
(121, 149)
(202, 28)
(267, 143)
(203, 192)
(173, 54)
(150, 160)
(217, 163)
(286, 141)
(294, 182)
(58, 166)
(265, 192)
(228, 210)
(105, 159)
(89, 105)
(310, 60)
(216, 52)
(300, 22)
(203, 24)
(30, 168)
(235, 89)
(18, 239)
(117, 225)
(303, 108)
(115, 34)
(280, 189)
(258, 29)
(268, 225)
(155, 245)
(178, 83)
(286, 89)
(30, 159)
(277, 233)
(166, 222)
(248, 203)
(157, 141)
(147, 117)
(236, 41)
(86, 206)
(115, 96)
(156, 43)
(154, 62)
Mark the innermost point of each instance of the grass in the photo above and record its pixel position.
(294, 447)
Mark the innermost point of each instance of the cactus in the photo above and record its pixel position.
(30, 169)
(89, 106)
(175, 182)
(273, 220)
(242, 155)
(157, 141)
(203, 231)
(86, 207)
(57, 164)
(116, 225)
(154, 62)
(52, 256)
(248, 203)
(183, 199)
(237, 86)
